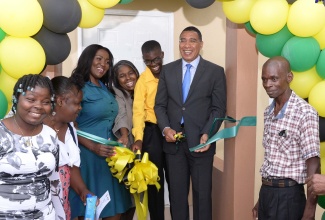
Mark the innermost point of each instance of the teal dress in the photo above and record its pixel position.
(99, 109)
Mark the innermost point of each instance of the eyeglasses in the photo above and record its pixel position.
(157, 60)
(190, 41)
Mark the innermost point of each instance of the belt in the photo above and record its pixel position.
(281, 183)
(150, 124)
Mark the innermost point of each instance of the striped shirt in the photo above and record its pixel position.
(290, 138)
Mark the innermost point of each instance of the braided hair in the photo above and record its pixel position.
(85, 62)
(29, 82)
(116, 67)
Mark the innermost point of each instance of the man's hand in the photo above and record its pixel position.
(203, 140)
(316, 184)
(169, 134)
(136, 146)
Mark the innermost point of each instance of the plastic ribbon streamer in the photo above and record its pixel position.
(137, 173)
(98, 139)
(121, 162)
(227, 132)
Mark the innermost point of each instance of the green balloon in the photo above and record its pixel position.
(3, 105)
(2, 34)
(320, 65)
(301, 52)
(323, 216)
(321, 201)
(271, 45)
(125, 1)
(249, 28)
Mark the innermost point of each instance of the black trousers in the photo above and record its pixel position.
(281, 203)
(152, 144)
(182, 168)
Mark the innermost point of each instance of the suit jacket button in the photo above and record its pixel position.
(183, 108)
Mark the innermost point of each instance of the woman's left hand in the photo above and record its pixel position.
(124, 140)
(83, 197)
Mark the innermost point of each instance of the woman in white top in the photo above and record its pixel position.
(28, 152)
(68, 96)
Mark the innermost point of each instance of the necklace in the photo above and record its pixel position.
(56, 130)
(28, 142)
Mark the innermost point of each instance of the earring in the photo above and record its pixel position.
(53, 113)
(14, 99)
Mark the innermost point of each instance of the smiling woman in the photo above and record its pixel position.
(68, 96)
(125, 75)
(99, 110)
(28, 152)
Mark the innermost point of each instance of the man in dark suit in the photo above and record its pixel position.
(193, 115)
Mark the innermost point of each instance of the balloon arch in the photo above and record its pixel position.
(36, 30)
(33, 34)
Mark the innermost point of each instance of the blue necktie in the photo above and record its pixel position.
(186, 84)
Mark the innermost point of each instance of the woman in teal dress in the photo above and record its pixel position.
(99, 109)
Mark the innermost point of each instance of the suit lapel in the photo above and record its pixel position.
(179, 76)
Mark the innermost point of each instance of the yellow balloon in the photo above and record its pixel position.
(104, 3)
(322, 150)
(316, 98)
(7, 84)
(322, 157)
(269, 16)
(21, 18)
(303, 82)
(9, 106)
(238, 11)
(21, 56)
(322, 165)
(320, 37)
(91, 15)
(306, 18)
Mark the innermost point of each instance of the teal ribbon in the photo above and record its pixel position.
(227, 132)
(98, 139)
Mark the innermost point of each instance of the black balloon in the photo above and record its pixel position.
(291, 1)
(57, 47)
(61, 16)
(321, 129)
(200, 3)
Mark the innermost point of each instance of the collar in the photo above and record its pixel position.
(194, 63)
(93, 85)
(148, 75)
(283, 109)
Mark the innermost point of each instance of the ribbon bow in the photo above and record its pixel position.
(137, 173)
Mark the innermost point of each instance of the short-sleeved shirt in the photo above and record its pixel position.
(290, 138)
(25, 165)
